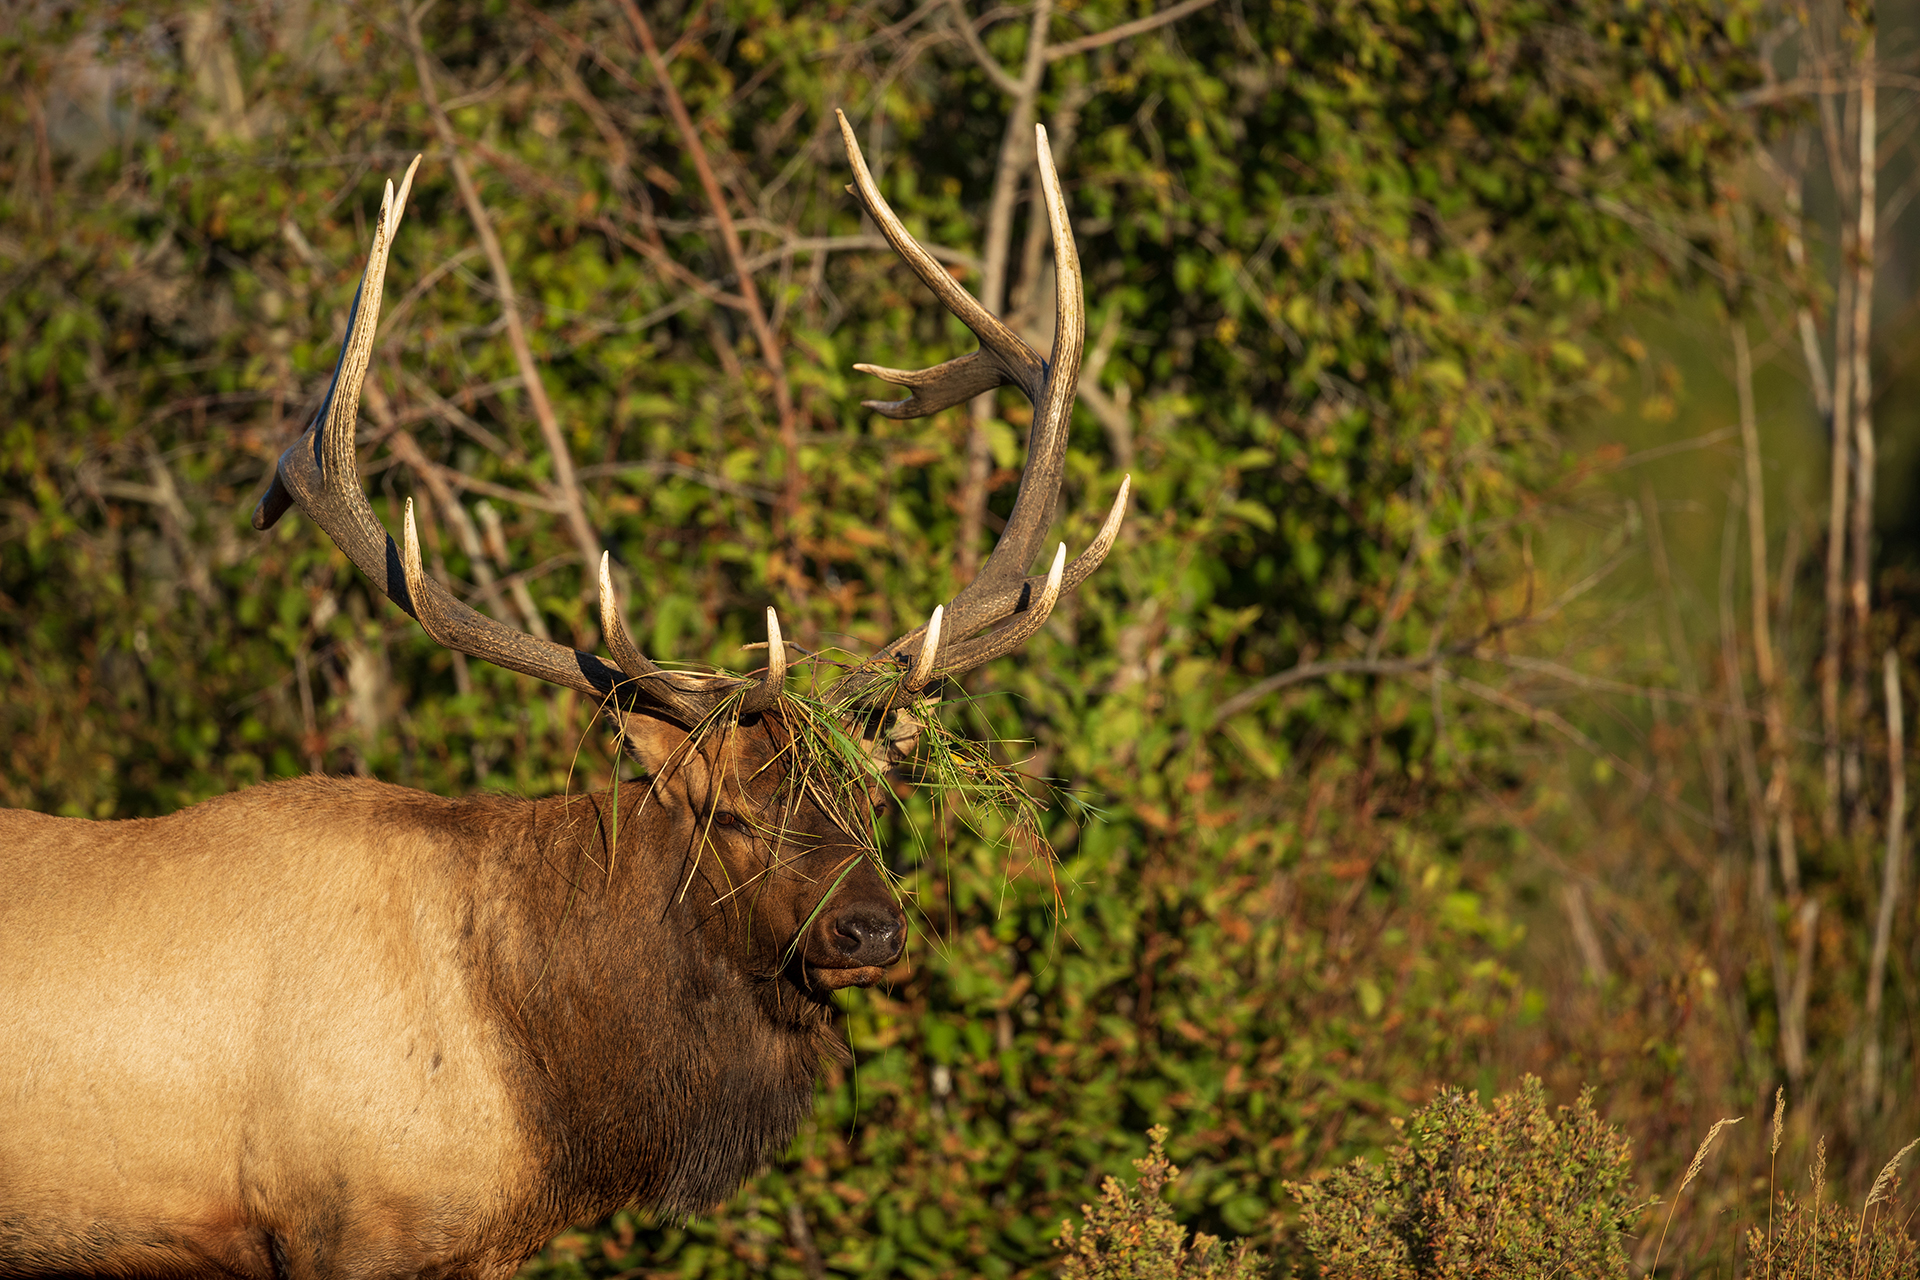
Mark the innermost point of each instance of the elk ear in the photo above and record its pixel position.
(656, 743)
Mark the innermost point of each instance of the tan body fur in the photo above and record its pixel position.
(148, 981)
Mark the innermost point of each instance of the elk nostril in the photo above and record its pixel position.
(872, 937)
(850, 933)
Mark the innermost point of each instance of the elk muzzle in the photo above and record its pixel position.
(853, 942)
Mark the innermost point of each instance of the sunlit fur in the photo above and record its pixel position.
(332, 1027)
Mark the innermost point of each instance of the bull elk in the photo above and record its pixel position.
(332, 1027)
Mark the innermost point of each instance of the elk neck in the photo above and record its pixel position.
(662, 1053)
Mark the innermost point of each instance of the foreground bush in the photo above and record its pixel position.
(1475, 1192)
(1134, 1237)
(1511, 1190)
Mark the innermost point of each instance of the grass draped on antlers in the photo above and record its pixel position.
(968, 776)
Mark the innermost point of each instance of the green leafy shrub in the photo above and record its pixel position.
(1135, 1237)
(1511, 1191)
(1350, 270)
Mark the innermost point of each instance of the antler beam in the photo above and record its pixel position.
(1002, 601)
(320, 475)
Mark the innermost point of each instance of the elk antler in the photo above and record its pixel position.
(1002, 596)
(321, 476)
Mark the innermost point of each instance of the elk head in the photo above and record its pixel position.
(729, 773)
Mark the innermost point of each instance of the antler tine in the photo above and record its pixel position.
(1087, 561)
(1043, 593)
(929, 652)
(416, 574)
(650, 682)
(1004, 357)
(766, 690)
(1015, 631)
(919, 645)
(320, 474)
(341, 407)
(776, 649)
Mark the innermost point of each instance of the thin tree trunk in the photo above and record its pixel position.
(1803, 311)
(1779, 797)
(1793, 1026)
(1889, 883)
(1793, 1047)
(1789, 578)
(1859, 597)
(1712, 753)
(1016, 153)
(1737, 699)
(1840, 467)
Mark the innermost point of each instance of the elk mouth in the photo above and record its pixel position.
(834, 979)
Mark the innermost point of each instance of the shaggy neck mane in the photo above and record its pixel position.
(646, 1076)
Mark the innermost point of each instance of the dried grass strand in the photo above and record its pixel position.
(1693, 1171)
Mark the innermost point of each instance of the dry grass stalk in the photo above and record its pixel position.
(1693, 1171)
(1881, 1183)
(1773, 1153)
(1818, 1177)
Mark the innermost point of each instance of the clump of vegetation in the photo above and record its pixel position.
(1133, 1235)
(1512, 1190)
(1815, 1236)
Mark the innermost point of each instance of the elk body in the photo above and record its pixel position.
(331, 1027)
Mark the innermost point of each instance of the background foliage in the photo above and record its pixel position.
(1361, 699)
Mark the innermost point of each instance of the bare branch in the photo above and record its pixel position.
(496, 541)
(658, 255)
(719, 483)
(1138, 27)
(565, 488)
(435, 477)
(1602, 684)
(619, 155)
(1002, 80)
(730, 238)
(1304, 671)
(420, 287)
(844, 244)
(453, 415)
(1644, 456)
(1559, 724)
(1816, 86)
